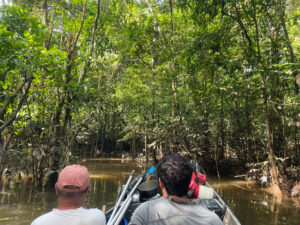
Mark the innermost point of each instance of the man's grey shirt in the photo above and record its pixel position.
(165, 211)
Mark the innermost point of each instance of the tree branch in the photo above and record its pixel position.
(8, 100)
(91, 51)
(14, 114)
(80, 29)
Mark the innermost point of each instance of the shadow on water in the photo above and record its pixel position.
(250, 205)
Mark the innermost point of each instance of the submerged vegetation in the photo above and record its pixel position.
(215, 79)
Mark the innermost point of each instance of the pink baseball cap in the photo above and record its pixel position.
(74, 178)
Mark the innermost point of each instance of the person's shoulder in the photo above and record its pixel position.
(141, 216)
(95, 210)
(208, 215)
(38, 220)
(44, 219)
(96, 213)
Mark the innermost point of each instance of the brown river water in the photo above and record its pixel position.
(251, 205)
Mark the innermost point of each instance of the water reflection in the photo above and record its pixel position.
(107, 178)
(254, 206)
(250, 205)
(22, 207)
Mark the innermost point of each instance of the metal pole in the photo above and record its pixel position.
(123, 212)
(121, 196)
(125, 204)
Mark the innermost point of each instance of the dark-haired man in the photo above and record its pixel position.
(173, 208)
(72, 187)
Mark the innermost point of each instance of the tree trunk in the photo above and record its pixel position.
(271, 157)
(172, 68)
(288, 42)
(1, 157)
(103, 131)
(145, 146)
(273, 169)
(133, 146)
(91, 50)
(249, 127)
(153, 150)
(222, 147)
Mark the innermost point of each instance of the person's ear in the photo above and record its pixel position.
(162, 188)
(160, 183)
(56, 188)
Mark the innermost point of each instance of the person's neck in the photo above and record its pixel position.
(183, 198)
(165, 194)
(65, 204)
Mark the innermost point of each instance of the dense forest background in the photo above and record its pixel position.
(214, 79)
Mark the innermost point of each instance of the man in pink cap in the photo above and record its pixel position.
(72, 186)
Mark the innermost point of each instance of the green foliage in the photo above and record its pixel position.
(183, 75)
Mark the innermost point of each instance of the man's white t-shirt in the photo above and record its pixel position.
(80, 216)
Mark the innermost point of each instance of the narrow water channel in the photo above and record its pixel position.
(251, 205)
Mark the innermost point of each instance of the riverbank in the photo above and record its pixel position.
(288, 175)
(258, 173)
